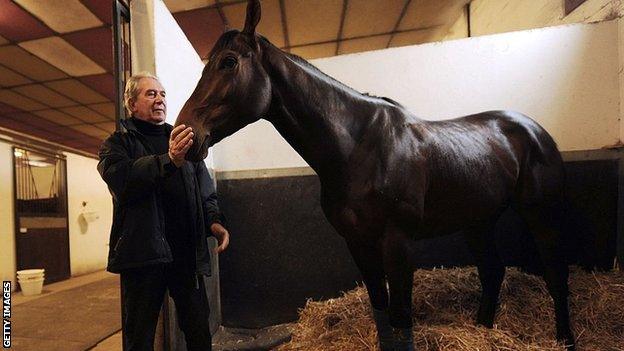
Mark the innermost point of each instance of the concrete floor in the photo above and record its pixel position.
(113, 343)
(21, 302)
(70, 283)
(40, 332)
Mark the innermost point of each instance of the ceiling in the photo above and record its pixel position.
(56, 70)
(322, 28)
(56, 57)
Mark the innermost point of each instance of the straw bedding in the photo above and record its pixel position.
(445, 302)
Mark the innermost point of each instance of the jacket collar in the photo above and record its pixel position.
(128, 123)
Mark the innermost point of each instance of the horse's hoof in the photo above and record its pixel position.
(386, 345)
(568, 340)
(404, 346)
(569, 344)
(403, 339)
(485, 322)
(486, 314)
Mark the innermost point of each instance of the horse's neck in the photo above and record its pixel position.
(319, 117)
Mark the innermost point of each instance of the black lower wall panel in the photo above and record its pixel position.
(283, 251)
(591, 222)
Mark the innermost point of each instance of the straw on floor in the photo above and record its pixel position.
(445, 302)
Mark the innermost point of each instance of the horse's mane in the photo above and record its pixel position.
(301, 61)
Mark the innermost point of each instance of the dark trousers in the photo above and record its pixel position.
(143, 290)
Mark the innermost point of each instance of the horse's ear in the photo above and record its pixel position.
(253, 17)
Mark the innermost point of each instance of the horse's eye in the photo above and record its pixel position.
(228, 62)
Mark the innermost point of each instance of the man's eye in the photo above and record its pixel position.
(151, 94)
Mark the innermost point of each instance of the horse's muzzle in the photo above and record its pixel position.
(199, 149)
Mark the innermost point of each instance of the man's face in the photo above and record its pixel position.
(150, 104)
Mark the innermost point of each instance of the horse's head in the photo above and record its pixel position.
(233, 91)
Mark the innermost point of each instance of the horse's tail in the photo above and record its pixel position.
(542, 164)
(579, 236)
(543, 148)
(541, 174)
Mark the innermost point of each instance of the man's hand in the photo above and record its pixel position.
(180, 141)
(222, 235)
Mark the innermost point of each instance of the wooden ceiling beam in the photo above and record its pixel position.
(363, 36)
(284, 23)
(398, 22)
(345, 5)
(224, 20)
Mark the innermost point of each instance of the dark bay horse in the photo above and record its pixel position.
(387, 177)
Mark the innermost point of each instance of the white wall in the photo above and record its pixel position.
(257, 146)
(177, 64)
(88, 246)
(160, 46)
(88, 242)
(565, 77)
(7, 216)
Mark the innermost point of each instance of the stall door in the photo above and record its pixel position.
(42, 238)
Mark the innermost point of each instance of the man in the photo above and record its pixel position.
(162, 209)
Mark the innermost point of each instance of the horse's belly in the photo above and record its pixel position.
(446, 213)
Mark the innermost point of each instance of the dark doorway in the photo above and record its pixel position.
(41, 233)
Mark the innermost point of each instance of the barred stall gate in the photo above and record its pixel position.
(40, 198)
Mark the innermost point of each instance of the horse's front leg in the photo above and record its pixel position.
(367, 257)
(400, 281)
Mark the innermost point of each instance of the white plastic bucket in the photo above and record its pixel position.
(30, 272)
(31, 281)
(25, 279)
(31, 286)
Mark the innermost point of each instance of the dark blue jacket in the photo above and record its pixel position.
(133, 175)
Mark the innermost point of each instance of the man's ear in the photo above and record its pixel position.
(131, 104)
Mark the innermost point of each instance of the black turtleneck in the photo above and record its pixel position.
(156, 135)
(177, 214)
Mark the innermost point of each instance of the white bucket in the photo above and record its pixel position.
(25, 279)
(27, 273)
(31, 286)
(30, 274)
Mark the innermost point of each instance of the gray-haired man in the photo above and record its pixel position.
(163, 208)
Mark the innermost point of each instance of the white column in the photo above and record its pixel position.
(7, 216)
(620, 45)
(159, 46)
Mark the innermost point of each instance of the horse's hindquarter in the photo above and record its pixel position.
(472, 171)
(433, 178)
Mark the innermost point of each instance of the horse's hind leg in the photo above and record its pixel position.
(491, 270)
(369, 262)
(544, 224)
(400, 282)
